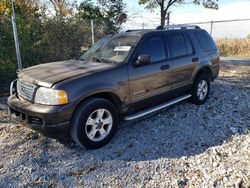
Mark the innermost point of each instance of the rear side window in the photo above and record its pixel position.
(154, 46)
(205, 40)
(177, 44)
(190, 48)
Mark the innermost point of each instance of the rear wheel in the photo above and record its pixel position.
(94, 123)
(200, 89)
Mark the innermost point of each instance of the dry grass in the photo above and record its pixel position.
(234, 47)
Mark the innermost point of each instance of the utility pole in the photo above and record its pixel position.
(18, 54)
(92, 31)
(211, 28)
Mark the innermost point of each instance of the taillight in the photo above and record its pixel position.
(219, 60)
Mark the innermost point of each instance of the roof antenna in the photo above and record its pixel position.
(18, 54)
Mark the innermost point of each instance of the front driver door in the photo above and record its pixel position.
(152, 79)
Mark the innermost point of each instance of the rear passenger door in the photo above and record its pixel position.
(182, 57)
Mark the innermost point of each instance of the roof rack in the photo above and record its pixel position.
(131, 30)
(178, 26)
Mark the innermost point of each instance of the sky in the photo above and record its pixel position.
(139, 17)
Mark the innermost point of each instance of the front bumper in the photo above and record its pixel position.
(40, 117)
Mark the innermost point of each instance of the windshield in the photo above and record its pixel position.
(110, 50)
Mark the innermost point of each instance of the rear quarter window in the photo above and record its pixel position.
(205, 40)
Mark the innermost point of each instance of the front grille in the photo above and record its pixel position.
(25, 90)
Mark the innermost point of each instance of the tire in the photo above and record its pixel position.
(197, 98)
(94, 123)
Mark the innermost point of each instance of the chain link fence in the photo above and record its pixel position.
(7, 55)
(232, 37)
(237, 28)
(45, 41)
(56, 39)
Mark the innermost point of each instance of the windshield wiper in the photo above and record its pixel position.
(98, 59)
(106, 60)
(102, 60)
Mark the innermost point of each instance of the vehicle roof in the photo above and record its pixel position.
(142, 32)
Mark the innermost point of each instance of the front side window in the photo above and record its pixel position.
(112, 50)
(154, 47)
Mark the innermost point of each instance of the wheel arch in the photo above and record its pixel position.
(204, 70)
(110, 96)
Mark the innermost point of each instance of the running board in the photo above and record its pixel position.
(156, 108)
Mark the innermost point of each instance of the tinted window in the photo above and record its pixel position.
(177, 44)
(190, 49)
(205, 40)
(154, 46)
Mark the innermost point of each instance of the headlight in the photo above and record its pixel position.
(50, 96)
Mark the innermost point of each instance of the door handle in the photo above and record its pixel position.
(164, 67)
(195, 59)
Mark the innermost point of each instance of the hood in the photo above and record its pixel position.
(50, 73)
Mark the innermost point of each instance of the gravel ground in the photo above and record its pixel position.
(182, 146)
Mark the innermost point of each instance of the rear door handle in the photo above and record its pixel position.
(195, 59)
(164, 67)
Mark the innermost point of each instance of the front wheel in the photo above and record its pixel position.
(200, 89)
(94, 123)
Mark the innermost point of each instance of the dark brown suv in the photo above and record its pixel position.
(124, 76)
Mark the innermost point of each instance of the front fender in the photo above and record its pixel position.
(114, 81)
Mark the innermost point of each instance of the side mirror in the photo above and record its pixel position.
(143, 60)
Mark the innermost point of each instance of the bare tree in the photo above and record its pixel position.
(165, 5)
(60, 7)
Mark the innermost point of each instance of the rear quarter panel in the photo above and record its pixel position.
(208, 59)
